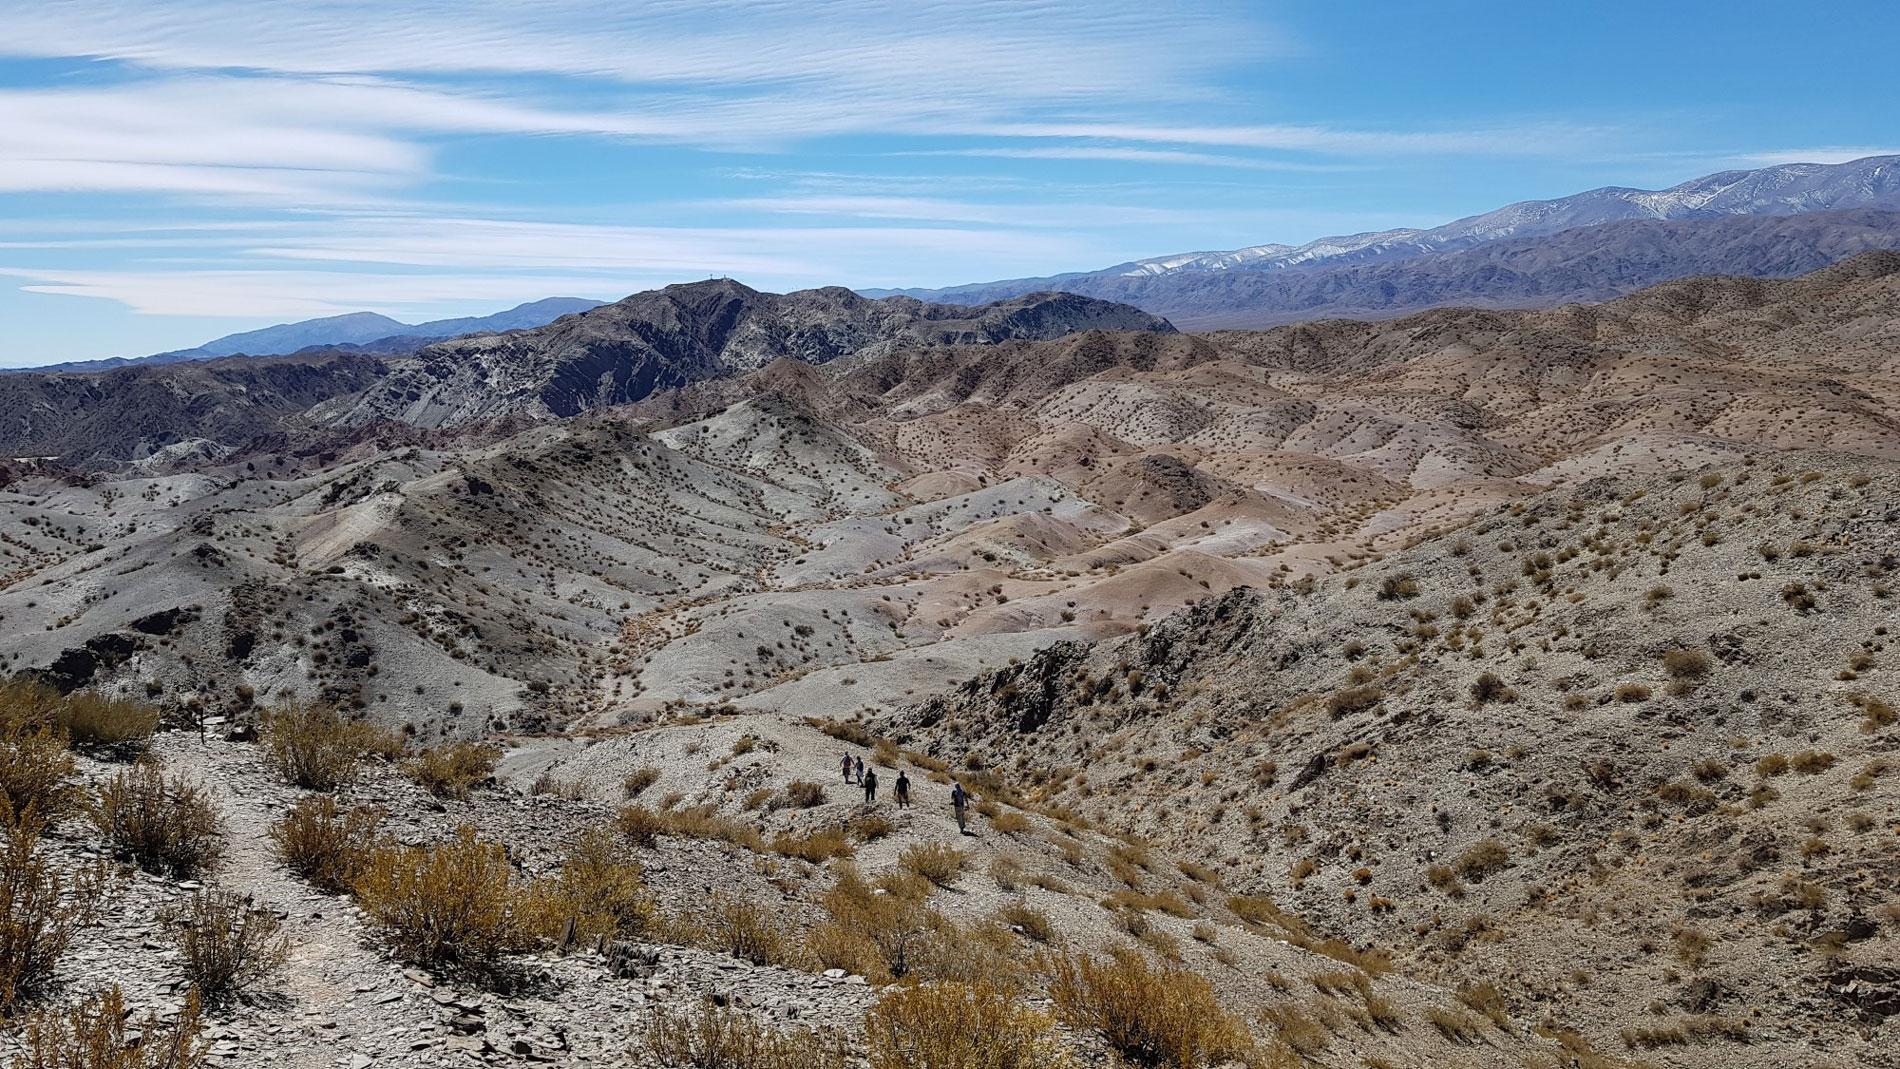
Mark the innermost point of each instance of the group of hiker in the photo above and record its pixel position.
(855, 772)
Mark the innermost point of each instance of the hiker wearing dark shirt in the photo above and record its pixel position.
(860, 762)
(960, 801)
(870, 788)
(844, 766)
(903, 790)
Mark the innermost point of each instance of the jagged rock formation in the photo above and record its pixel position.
(683, 334)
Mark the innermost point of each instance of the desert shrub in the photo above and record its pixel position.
(603, 895)
(746, 930)
(1398, 587)
(226, 944)
(1810, 762)
(935, 862)
(639, 780)
(1687, 664)
(325, 843)
(452, 770)
(799, 794)
(705, 822)
(118, 725)
(639, 825)
(1455, 1025)
(452, 903)
(1875, 713)
(166, 825)
(817, 847)
(548, 785)
(1009, 822)
(950, 1025)
(876, 935)
(1632, 693)
(36, 771)
(1297, 1030)
(1033, 923)
(1482, 858)
(1261, 910)
(1773, 764)
(1149, 1015)
(868, 826)
(36, 920)
(1353, 700)
(315, 747)
(100, 1033)
(1490, 687)
(714, 1037)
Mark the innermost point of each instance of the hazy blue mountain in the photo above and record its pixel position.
(353, 329)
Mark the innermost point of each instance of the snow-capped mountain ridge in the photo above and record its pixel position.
(1780, 190)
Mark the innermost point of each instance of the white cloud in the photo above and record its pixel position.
(998, 49)
(398, 264)
(1129, 154)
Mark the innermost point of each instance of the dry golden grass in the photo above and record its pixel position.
(226, 944)
(315, 747)
(1033, 923)
(165, 824)
(639, 780)
(744, 929)
(100, 1033)
(935, 862)
(452, 770)
(596, 891)
(639, 825)
(951, 1025)
(36, 919)
(36, 772)
(879, 936)
(1156, 1016)
(326, 844)
(817, 847)
(799, 794)
(712, 1037)
(454, 903)
(117, 725)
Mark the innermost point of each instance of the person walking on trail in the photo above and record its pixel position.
(844, 766)
(960, 801)
(903, 790)
(870, 787)
(860, 769)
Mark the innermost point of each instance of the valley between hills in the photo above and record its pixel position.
(1479, 687)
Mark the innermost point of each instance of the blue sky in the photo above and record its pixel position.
(174, 171)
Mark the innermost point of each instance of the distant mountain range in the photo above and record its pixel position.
(607, 355)
(365, 330)
(1267, 284)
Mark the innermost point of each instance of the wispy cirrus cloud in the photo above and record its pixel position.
(395, 264)
(405, 156)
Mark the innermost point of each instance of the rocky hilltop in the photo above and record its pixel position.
(682, 334)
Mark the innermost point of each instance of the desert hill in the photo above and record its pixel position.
(1478, 687)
